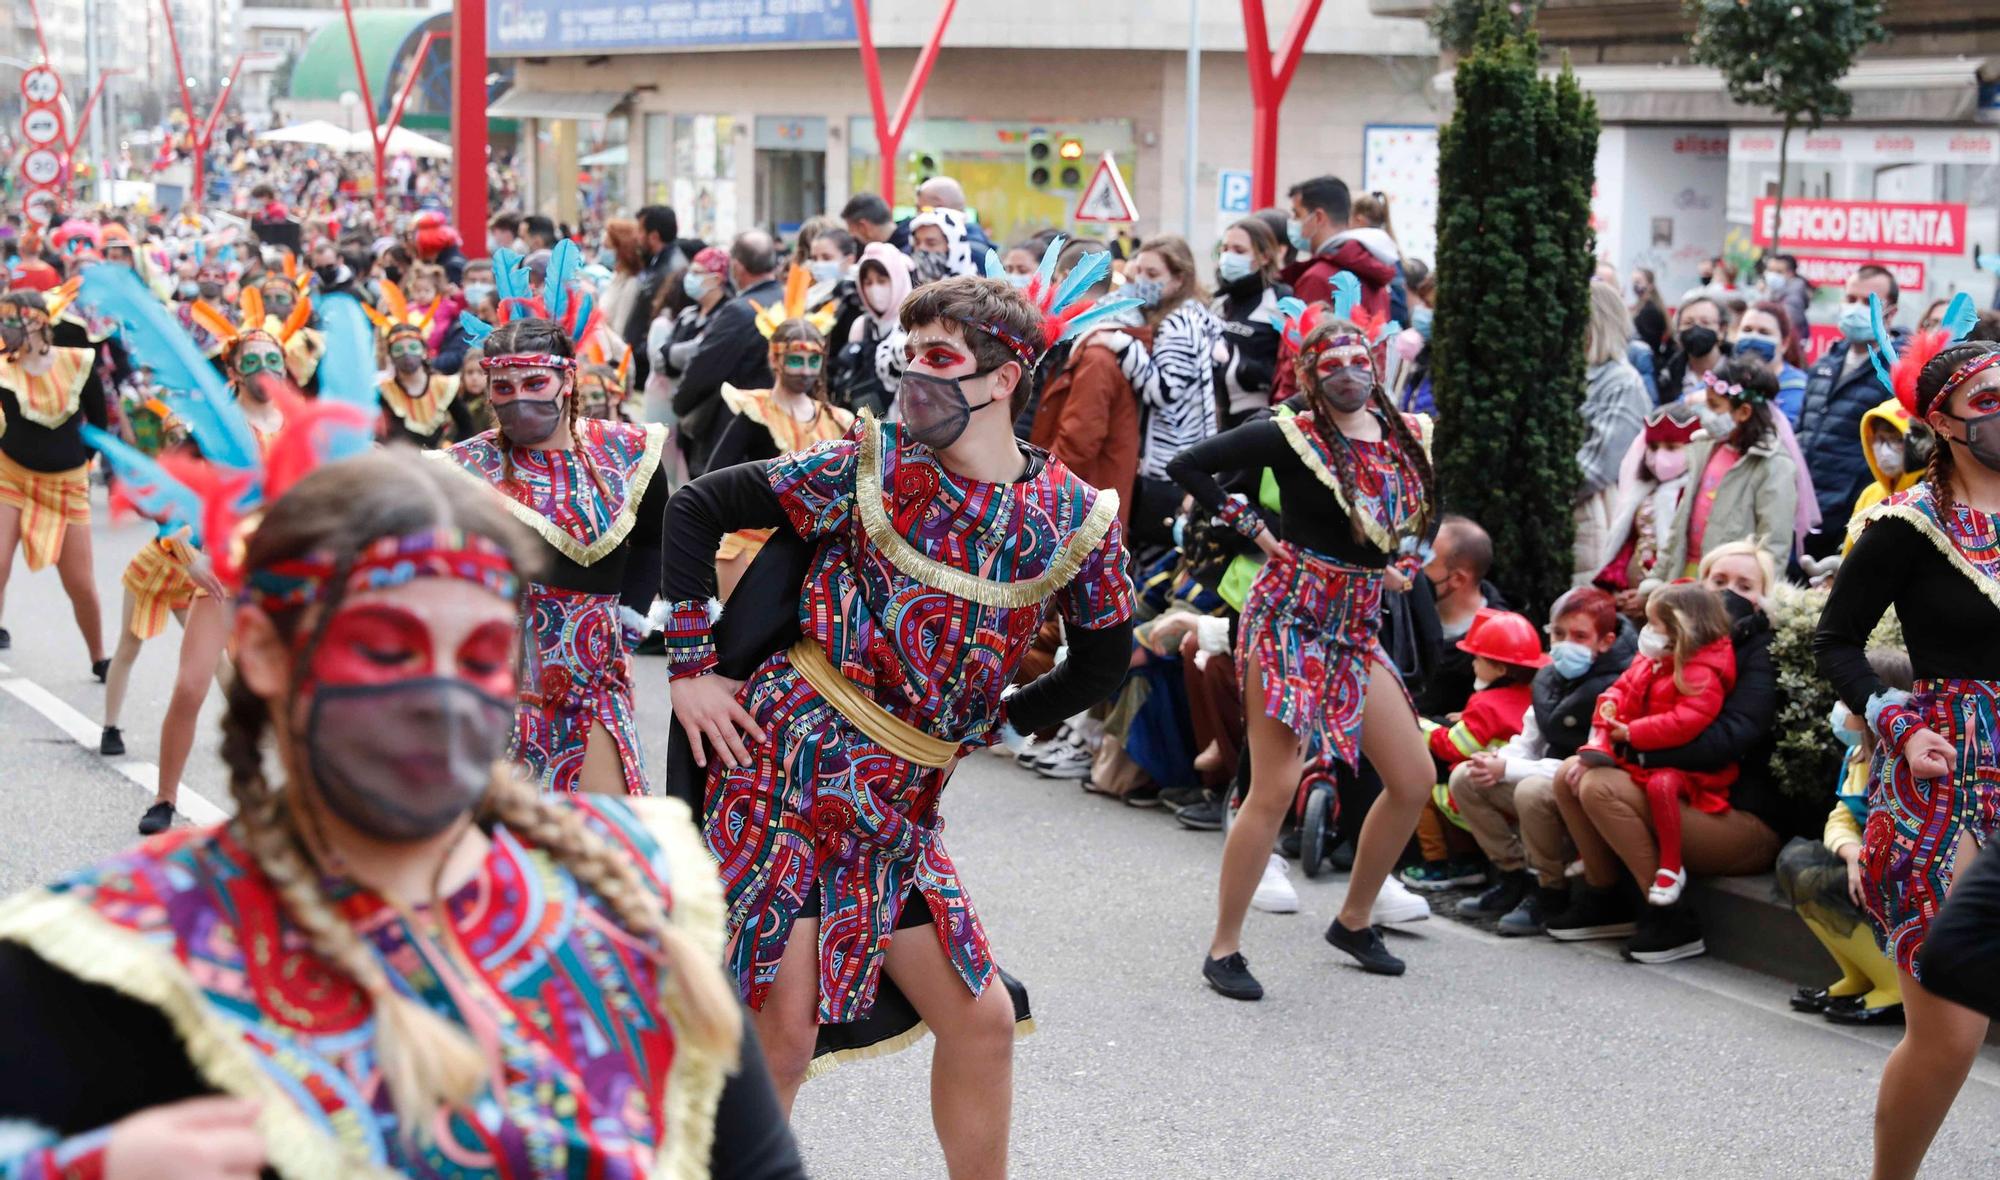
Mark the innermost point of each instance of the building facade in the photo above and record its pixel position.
(755, 112)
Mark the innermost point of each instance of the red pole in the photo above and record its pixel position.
(380, 136)
(888, 133)
(83, 125)
(367, 103)
(187, 100)
(1268, 83)
(41, 39)
(468, 124)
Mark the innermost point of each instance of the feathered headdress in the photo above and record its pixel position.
(211, 498)
(251, 303)
(574, 311)
(1960, 317)
(1295, 319)
(399, 309)
(1064, 314)
(797, 283)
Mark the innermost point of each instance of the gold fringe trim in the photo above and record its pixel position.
(72, 937)
(70, 366)
(1288, 425)
(568, 546)
(695, 1080)
(937, 575)
(826, 1063)
(404, 406)
(758, 406)
(1937, 537)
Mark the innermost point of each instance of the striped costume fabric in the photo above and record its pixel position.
(1179, 403)
(157, 579)
(576, 673)
(822, 808)
(49, 502)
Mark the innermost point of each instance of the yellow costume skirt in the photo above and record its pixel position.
(49, 502)
(158, 581)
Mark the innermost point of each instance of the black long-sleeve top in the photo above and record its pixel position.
(1951, 629)
(740, 497)
(1312, 517)
(743, 440)
(608, 576)
(39, 448)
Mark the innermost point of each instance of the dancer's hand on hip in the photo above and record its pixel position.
(1929, 754)
(198, 1139)
(706, 708)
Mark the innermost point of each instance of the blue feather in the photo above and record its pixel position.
(1110, 305)
(347, 374)
(1961, 317)
(1346, 293)
(510, 276)
(476, 330)
(1045, 274)
(149, 486)
(1389, 329)
(1990, 262)
(993, 268)
(159, 343)
(584, 305)
(1289, 309)
(1883, 351)
(1082, 277)
(565, 262)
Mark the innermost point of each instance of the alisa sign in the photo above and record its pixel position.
(1865, 225)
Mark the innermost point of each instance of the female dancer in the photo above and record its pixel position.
(1355, 477)
(397, 958)
(417, 404)
(774, 422)
(588, 489)
(1929, 552)
(46, 395)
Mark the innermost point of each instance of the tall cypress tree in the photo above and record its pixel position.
(1515, 166)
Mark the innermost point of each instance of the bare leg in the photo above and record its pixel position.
(119, 678)
(10, 540)
(787, 1024)
(972, 1065)
(73, 566)
(1393, 743)
(207, 632)
(603, 770)
(1274, 782)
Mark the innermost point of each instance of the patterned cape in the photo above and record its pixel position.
(556, 493)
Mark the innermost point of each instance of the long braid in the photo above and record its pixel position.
(695, 991)
(1409, 448)
(1938, 474)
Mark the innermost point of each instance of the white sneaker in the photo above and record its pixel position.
(1039, 751)
(1275, 894)
(1072, 763)
(1395, 904)
(1667, 887)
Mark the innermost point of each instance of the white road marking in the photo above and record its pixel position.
(86, 733)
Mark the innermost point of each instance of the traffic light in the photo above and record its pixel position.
(1041, 160)
(1071, 151)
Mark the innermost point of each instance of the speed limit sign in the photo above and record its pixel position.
(41, 166)
(41, 125)
(41, 206)
(40, 84)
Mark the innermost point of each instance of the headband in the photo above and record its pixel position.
(528, 360)
(386, 562)
(1016, 344)
(1340, 341)
(1966, 372)
(1731, 390)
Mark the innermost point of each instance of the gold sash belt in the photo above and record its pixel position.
(886, 730)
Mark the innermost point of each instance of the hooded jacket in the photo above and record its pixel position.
(857, 381)
(1757, 499)
(1891, 414)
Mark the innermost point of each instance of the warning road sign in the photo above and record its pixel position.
(1106, 198)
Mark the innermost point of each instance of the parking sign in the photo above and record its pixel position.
(1232, 192)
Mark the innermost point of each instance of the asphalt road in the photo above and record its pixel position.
(1489, 1059)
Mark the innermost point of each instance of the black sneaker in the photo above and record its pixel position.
(1341, 859)
(112, 743)
(1231, 976)
(6, 640)
(1667, 934)
(1205, 816)
(1533, 914)
(1595, 913)
(1366, 946)
(1146, 795)
(1499, 899)
(98, 668)
(158, 818)
(1178, 799)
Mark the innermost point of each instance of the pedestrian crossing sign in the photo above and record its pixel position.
(1106, 198)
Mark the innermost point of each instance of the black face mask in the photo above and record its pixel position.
(1982, 438)
(1698, 341)
(1739, 607)
(934, 409)
(404, 761)
(527, 421)
(1347, 389)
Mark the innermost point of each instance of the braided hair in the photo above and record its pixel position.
(528, 335)
(1930, 383)
(1409, 448)
(427, 1062)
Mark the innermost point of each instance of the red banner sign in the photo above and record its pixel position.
(1865, 225)
(1825, 271)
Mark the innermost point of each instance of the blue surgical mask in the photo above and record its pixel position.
(1420, 319)
(1295, 233)
(695, 284)
(1837, 719)
(1856, 324)
(1761, 348)
(1571, 660)
(1019, 281)
(823, 271)
(1234, 267)
(1146, 291)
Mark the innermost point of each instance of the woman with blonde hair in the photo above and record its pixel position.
(397, 958)
(1614, 412)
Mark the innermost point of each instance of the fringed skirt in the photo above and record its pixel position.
(1310, 629)
(49, 502)
(158, 581)
(1910, 846)
(576, 674)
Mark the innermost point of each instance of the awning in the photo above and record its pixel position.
(615, 156)
(523, 103)
(1885, 90)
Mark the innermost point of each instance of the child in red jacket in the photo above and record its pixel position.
(1672, 691)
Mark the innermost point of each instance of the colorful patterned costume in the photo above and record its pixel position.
(788, 435)
(825, 820)
(597, 1082)
(585, 503)
(49, 501)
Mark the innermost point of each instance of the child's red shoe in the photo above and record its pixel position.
(1597, 751)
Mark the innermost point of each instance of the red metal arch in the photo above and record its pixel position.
(1268, 82)
(888, 133)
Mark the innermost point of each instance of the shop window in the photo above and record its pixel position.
(659, 144)
(704, 176)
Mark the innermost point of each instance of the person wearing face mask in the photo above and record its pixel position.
(1319, 232)
(1928, 552)
(1743, 479)
(1822, 878)
(205, 314)
(593, 491)
(768, 423)
(869, 365)
(375, 644)
(1307, 643)
(1247, 291)
(731, 350)
(938, 246)
(47, 394)
(681, 312)
(1179, 409)
(418, 406)
(822, 772)
(1897, 449)
(281, 307)
(1765, 335)
(1697, 348)
(831, 260)
(1411, 352)
(1840, 390)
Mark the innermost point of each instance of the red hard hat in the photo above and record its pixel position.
(1506, 638)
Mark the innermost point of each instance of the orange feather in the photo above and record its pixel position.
(302, 310)
(212, 321)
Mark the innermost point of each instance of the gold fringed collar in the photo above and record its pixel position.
(557, 537)
(913, 563)
(423, 413)
(1309, 454)
(50, 399)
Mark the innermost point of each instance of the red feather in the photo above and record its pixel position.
(301, 444)
(1923, 346)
